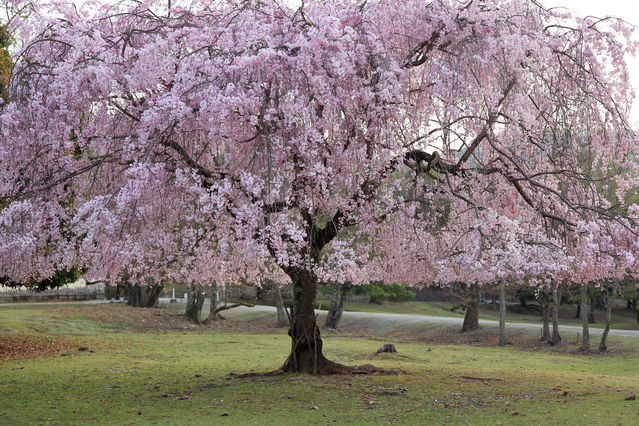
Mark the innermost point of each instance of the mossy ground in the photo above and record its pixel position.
(146, 367)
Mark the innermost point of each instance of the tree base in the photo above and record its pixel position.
(327, 368)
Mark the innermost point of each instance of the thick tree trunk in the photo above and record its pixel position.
(545, 316)
(472, 300)
(140, 296)
(585, 341)
(502, 313)
(556, 300)
(611, 301)
(306, 347)
(194, 303)
(282, 317)
(336, 309)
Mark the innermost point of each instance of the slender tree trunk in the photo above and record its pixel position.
(212, 316)
(591, 311)
(611, 301)
(282, 318)
(142, 296)
(502, 313)
(339, 292)
(331, 318)
(214, 299)
(585, 340)
(545, 316)
(306, 343)
(194, 303)
(472, 300)
(634, 305)
(556, 299)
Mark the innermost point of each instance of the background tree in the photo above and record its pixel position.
(339, 292)
(142, 295)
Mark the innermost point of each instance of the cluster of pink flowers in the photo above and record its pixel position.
(408, 141)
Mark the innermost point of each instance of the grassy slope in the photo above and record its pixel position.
(181, 377)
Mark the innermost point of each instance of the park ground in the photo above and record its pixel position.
(85, 364)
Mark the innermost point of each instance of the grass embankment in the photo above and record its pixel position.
(150, 367)
(622, 318)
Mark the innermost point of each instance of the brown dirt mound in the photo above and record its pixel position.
(14, 346)
(160, 319)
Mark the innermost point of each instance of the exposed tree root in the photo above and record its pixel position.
(327, 368)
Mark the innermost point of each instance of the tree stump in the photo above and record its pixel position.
(387, 348)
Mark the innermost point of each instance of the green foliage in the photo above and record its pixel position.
(525, 294)
(60, 278)
(6, 65)
(380, 292)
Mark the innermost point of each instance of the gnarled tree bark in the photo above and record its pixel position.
(471, 300)
(194, 303)
(306, 342)
(142, 296)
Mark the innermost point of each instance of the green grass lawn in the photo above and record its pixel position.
(130, 376)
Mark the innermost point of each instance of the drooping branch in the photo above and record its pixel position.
(235, 305)
(52, 184)
(419, 55)
(487, 127)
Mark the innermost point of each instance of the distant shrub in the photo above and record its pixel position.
(385, 292)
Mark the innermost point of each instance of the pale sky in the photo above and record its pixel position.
(625, 9)
(628, 10)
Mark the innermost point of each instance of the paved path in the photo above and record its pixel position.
(412, 319)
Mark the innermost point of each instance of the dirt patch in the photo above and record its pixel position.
(159, 319)
(14, 346)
